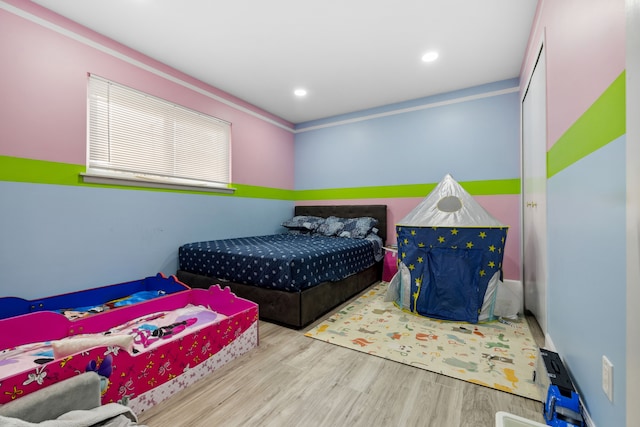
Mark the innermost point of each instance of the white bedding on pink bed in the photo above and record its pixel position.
(137, 336)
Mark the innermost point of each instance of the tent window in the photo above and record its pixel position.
(138, 139)
(449, 204)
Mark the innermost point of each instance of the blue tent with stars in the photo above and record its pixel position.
(450, 252)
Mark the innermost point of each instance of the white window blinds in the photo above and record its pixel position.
(138, 137)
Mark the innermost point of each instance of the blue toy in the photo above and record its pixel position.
(562, 411)
(562, 407)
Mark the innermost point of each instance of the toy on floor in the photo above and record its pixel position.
(562, 404)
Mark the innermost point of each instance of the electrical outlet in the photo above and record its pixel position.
(607, 377)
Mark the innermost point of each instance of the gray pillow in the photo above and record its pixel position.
(331, 226)
(358, 228)
(303, 223)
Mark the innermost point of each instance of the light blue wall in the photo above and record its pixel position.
(57, 239)
(587, 274)
(471, 134)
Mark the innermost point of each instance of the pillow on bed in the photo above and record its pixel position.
(358, 228)
(303, 223)
(331, 226)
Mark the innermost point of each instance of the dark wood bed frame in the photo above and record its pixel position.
(298, 309)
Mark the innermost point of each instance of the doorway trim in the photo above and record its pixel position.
(540, 53)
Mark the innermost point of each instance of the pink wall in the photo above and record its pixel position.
(43, 113)
(44, 78)
(585, 54)
(505, 208)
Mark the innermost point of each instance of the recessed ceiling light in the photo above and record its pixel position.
(430, 56)
(300, 92)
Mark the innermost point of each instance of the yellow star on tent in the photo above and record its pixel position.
(441, 239)
(413, 232)
(492, 248)
(412, 267)
(469, 245)
(406, 241)
(404, 254)
(482, 235)
(421, 245)
(420, 259)
(482, 273)
(492, 264)
(454, 231)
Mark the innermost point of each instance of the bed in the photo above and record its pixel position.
(95, 300)
(299, 305)
(143, 352)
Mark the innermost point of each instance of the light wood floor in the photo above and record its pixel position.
(293, 380)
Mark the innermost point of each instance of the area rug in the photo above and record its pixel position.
(500, 355)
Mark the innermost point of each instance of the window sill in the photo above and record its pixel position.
(106, 179)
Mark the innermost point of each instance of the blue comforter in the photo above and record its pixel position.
(289, 262)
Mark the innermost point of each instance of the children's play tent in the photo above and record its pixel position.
(450, 252)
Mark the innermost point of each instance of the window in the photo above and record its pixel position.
(138, 139)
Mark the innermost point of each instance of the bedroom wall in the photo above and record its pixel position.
(59, 234)
(586, 146)
(396, 154)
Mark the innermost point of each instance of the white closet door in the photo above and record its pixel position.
(534, 188)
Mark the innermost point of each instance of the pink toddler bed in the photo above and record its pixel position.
(143, 352)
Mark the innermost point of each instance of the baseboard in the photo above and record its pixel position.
(548, 343)
(585, 415)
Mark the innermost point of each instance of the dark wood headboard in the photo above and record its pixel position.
(378, 212)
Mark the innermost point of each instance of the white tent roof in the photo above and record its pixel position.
(449, 205)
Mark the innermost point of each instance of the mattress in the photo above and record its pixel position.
(288, 262)
(139, 335)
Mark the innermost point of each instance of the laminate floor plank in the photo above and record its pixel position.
(293, 380)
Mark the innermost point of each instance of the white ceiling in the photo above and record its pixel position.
(350, 55)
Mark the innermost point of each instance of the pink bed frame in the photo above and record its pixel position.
(137, 380)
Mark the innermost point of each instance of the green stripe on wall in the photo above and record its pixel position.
(17, 169)
(256, 192)
(475, 188)
(39, 171)
(602, 123)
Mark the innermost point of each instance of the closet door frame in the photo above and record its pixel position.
(534, 268)
(633, 208)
